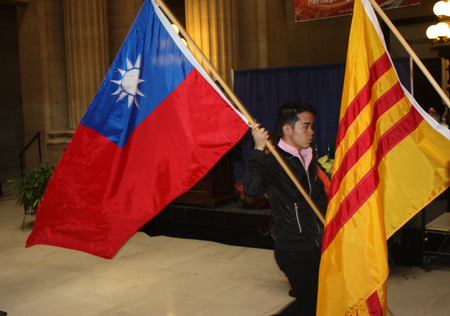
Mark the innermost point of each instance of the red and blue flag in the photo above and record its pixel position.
(156, 126)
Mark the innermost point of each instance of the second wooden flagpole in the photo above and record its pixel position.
(241, 107)
(411, 53)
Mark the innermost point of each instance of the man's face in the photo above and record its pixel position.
(302, 135)
(434, 114)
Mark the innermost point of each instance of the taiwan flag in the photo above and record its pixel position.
(156, 126)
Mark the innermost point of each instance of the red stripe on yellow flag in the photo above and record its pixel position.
(392, 159)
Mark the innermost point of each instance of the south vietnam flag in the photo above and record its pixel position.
(156, 126)
(392, 159)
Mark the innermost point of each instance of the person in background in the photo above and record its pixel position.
(436, 111)
(297, 231)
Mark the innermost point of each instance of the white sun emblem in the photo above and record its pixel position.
(128, 83)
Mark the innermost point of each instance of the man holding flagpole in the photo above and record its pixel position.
(296, 229)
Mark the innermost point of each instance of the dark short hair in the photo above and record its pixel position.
(288, 110)
(439, 107)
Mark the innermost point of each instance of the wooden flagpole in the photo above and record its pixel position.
(411, 53)
(240, 106)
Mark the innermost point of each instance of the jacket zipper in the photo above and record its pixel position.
(295, 204)
(318, 231)
(307, 176)
(296, 215)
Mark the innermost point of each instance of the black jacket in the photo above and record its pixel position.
(295, 225)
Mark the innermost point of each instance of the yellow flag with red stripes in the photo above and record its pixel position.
(392, 159)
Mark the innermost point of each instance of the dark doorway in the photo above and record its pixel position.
(424, 93)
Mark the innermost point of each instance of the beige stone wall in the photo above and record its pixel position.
(263, 41)
(425, 8)
(43, 73)
(87, 53)
(326, 40)
(11, 124)
(277, 34)
(30, 79)
(36, 77)
(318, 41)
(121, 15)
(212, 25)
(33, 60)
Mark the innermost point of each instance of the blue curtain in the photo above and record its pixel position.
(262, 90)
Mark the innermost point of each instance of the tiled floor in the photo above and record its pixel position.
(169, 276)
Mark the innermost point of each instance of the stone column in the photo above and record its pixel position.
(43, 77)
(121, 15)
(263, 30)
(212, 25)
(87, 52)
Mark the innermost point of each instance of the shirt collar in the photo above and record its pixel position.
(306, 154)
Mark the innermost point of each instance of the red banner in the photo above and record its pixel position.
(319, 9)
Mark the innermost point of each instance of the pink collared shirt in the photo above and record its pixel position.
(306, 154)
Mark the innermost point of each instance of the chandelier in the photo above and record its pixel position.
(441, 31)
